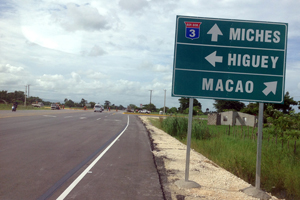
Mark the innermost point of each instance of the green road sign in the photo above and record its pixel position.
(229, 59)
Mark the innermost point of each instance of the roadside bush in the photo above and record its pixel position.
(178, 126)
(175, 126)
(200, 130)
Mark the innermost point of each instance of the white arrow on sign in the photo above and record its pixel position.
(271, 87)
(215, 32)
(213, 58)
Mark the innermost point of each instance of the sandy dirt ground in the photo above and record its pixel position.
(170, 157)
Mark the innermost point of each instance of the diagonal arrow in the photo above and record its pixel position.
(213, 58)
(271, 87)
(215, 32)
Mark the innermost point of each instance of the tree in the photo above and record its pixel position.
(166, 109)
(65, 100)
(107, 103)
(251, 108)
(3, 96)
(92, 104)
(32, 99)
(12, 96)
(286, 107)
(133, 107)
(83, 102)
(70, 103)
(151, 107)
(184, 103)
(286, 126)
(172, 110)
(224, 105)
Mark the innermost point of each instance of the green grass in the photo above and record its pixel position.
(22, 107)
(182, 115)
(236, 152)
(29, 107)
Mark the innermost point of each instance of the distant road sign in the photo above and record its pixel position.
(229, 59)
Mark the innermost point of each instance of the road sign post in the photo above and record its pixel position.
(227, 59)
(186, 183)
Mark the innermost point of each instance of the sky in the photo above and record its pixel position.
(117, 50)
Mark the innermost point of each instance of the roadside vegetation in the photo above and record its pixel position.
(234, 149)
(22, 107)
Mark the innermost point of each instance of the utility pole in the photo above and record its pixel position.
(150, 99)
(25, 95)
(28, 89)
(165, 103)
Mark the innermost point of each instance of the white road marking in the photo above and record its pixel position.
(98, 118)
(78, 179)
(114, 120)
(82, 117)
(49, 116)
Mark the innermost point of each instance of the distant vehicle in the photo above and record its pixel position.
(38, 105)
(144, 111)
(55, 106)
(98, 108)
(129, 109)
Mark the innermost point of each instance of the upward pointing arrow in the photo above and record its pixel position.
(215, 31)
(271, 87)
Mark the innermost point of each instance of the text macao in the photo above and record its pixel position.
(229, 86)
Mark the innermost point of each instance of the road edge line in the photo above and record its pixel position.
(81, 176)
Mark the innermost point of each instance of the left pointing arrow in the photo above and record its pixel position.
(271, 87)
(213, 58)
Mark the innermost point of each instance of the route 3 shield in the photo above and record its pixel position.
(192, 30)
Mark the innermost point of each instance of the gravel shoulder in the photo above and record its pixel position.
(170, 157)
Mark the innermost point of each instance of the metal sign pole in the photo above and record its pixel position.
(188, 145)
(186, 183)
(259, 144)
(256, 191)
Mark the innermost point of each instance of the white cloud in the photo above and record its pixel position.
(10, 69)
(50, 82)
(95, 75)
(81, 17)
(133, 5)
(13, 76)
(96, 51)
(161, 68)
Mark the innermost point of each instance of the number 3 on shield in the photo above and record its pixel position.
(192, 33)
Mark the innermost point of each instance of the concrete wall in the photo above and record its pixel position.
(227, 118)
(246, 120)
(213, 119)
(232, 118)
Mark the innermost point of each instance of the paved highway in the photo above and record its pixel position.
(66, 154)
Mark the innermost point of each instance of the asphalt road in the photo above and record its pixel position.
(66, 154)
